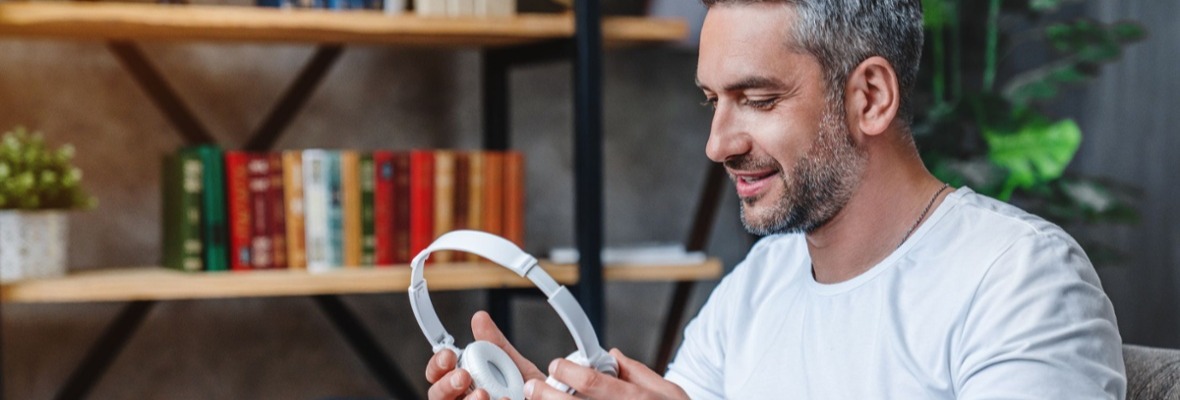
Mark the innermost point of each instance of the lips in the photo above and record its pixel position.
(751, 184)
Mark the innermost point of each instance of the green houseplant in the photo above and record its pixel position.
(38, 186)
(986, 127)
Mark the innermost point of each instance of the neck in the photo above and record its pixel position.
(894, 190)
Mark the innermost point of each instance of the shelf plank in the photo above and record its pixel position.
(155, 283)
(162, 22)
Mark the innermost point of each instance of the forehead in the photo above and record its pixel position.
(744, 40)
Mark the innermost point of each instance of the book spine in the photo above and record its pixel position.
(335, 210)
(514, 206)
(475, 193)
(383, 207)
(421, 200)
(350, 207)
(493, 198)
(213, 213)
(293, 203)
(444, 199)
(401, 208)
(316, 202)
(368, 175)
(261, 248)
(182, 186)
(240, 219)
(278, 210)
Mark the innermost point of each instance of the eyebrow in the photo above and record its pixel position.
(751, 82)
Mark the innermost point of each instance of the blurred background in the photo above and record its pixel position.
(378, 97)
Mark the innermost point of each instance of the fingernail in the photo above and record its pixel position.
(553, 366)
(528, 388)
(457, 381)
(441, 361)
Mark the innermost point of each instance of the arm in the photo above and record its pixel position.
(1040, 327)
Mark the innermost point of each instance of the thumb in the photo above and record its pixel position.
(636, 372)
(483, 328)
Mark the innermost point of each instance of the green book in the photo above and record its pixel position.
(213, 227)
(335, 210)
(368, 231)
(182, 186)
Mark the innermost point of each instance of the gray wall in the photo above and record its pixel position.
(400, 98)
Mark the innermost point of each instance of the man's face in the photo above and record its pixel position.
(787, 150)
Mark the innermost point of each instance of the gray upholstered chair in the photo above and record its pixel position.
(1152, 373)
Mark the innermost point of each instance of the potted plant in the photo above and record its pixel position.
(986, 127)
(38, 186)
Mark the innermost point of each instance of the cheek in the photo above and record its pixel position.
(783, 138)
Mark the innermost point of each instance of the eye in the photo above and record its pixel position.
(762, 104)
(710, 103)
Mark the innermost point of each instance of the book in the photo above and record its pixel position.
(430, 8)
(444, 199)
(493, 196)
(213, 209)
(261, 248)
(316, 201)
(421, 195)
(350, 207)
(402, 215)
(182, 191)
(494, 8)
(514, 206)
(475, 193)
(239, 209)
(278, 212)
(293, 204)
(335, 210)
(368, 182)
(383, 203)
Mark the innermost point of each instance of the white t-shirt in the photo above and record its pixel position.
(984, 301)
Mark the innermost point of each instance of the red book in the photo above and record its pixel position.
(421, 196)
(261, 248)
(401, 208)
(278, 212)
(383, 207)
(237, 182)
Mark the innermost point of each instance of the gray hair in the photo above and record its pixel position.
(841, 34)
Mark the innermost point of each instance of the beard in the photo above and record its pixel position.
(815, 189)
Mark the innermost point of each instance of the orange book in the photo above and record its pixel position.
(444, 199)
(474, 194)
(293, 202)
(278, 211)
(493, 193)
(350, 193)
(514, 197)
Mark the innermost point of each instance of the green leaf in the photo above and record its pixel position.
(1037, 153)
(1128, 32)
(934, 15)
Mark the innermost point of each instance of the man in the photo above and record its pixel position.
(876, 281)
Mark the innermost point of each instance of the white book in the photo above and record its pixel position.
(495, 8)
(431, 8)
(394, 6)
(460, 8)
(316, 200)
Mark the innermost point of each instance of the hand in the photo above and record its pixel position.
(448, 382)
(635, 381)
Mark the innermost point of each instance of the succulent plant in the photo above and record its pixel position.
(34, 176)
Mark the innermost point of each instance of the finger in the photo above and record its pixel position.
(589, 382)
(440, 364)
(483, 328)
(638, 373)
(537, 389)
(478, 394)
(452, 386)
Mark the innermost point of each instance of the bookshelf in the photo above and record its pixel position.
(156, 283)
(504, 42)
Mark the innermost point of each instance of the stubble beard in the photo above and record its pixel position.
(817, 187)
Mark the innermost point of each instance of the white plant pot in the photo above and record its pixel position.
(32, 244)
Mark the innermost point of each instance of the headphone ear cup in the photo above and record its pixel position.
(492, 370)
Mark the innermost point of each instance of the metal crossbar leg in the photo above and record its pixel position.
(104, 350)
(362, 341)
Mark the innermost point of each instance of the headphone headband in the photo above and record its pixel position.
(506, 254)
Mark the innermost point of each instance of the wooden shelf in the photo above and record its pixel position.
(155, 283)
(158, 22)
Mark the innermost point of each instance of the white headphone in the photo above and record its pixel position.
(490, 367)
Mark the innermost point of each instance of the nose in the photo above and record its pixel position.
(727, 138)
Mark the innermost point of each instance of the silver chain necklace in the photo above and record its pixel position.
(920, 217)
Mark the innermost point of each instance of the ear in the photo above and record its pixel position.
(873, 96)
